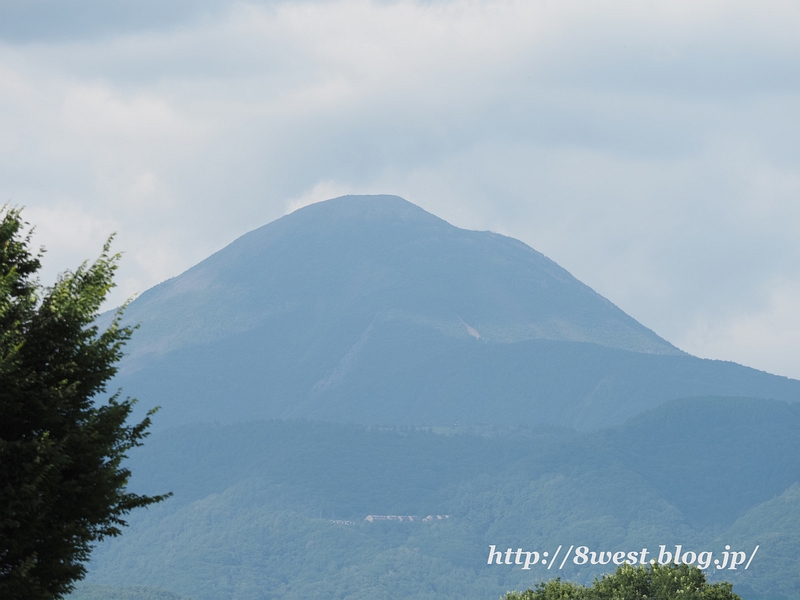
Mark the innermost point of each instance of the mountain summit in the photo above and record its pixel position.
(370, 309)
(367, 260)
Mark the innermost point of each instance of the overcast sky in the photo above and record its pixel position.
(650, 148)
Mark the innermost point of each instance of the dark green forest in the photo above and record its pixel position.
(276, 509)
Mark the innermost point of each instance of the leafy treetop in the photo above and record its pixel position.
(62, 486)
(641, 582)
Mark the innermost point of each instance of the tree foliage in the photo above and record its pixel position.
(62, 486)
(642, 582)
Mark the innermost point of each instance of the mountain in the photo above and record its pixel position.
(363, 357)
(368, 309)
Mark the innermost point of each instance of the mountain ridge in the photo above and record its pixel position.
(369, 309)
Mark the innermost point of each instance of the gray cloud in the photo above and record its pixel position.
(58, 20)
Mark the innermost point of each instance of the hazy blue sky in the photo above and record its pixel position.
(651, 148)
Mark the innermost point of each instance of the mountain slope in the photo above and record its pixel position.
(277, 508)
(369, 309)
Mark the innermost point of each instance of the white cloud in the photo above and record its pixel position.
(650, 148)
(324, 190)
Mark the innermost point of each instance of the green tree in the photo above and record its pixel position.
(62, 486)
(651, 582)
(555, 589)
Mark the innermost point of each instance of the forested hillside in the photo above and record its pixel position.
(277, 509)
(88, 591)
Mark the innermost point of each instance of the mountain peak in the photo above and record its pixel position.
(370, 309)
(375, 207)
(382, 257)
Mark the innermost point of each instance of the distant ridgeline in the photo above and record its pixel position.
(362, 357)
(367, 309)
